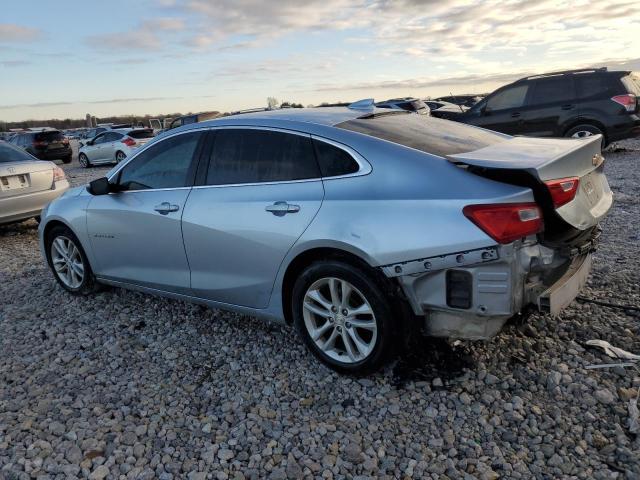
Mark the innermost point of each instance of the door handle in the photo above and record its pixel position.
(515, 114)
(280, 209)
(166, 207)
(567, 107)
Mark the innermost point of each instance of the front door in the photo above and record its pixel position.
(136, 233)
(502, 111)
(261, 191)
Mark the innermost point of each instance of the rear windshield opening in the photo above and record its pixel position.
(427, 134)
(138, 134)
(49, 136)
(9, 154)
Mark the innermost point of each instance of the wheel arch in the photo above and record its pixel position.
(585, 121)
(307, 257)
(50, 225)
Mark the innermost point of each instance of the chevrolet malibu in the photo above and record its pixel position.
(358, 225)
(26, 184)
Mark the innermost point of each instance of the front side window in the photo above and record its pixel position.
(553, 90)
(167, 164)
(257, 156)
(512, 97)
(334, 161)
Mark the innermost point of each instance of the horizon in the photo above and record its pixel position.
(123, 58)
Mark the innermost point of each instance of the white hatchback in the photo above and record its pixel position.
(113, 146)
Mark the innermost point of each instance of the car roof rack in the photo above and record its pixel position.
(252, 110)
(565, 72)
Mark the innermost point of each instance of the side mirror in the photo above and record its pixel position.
(100, 186)
(90, 142)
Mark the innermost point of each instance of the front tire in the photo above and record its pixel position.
(83, 160)
(68, 262)
(344, 317)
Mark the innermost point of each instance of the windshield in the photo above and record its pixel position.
(10, 154)
(427, 134)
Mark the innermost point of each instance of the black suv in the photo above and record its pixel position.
(45, 145)
(574, 103)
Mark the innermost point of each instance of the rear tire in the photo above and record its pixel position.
(68, 262)
(83, 160)
(352, 333)
(586, 130)
(66, 159)
(120, 156)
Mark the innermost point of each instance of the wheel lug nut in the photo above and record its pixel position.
(345, 312)
(339, 329)
(348, 325)
(334, 309)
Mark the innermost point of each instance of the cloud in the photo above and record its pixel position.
(14, 63)
(150, 35)
(12, 33)
(92, 102)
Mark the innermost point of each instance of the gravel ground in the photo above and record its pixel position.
(124, 385)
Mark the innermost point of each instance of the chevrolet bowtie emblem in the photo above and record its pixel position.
(597, 159)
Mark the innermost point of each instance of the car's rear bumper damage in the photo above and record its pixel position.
(471, 295)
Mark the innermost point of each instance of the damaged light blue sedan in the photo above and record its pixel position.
(357, 225)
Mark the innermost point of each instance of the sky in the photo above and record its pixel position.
(67, 58)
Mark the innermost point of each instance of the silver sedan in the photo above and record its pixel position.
(26, 184)
(360, 226)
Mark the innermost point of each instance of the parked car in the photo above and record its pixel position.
(113, 146)
(408, 104)
(193, 118)
(26, 184)
(359, 225)
(573, 103)
(466, 100)
(46, 144)
(91, 134)
(445, 110)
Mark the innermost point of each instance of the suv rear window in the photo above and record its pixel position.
(429, 135)
(138, 134)
(589, 85)
(552, 90)
(49, 136)
(632, 83)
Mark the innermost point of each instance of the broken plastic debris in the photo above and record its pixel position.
(611, 351)
(634, 425)
(610, 365)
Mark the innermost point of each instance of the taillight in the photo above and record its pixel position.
(65, 140)
(58, 174)
(628, 101)
(129, 142)
(506, 222)
(39, 143)
(562, 190)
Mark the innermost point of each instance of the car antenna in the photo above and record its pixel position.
(456, 98)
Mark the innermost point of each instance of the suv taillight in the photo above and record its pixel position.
(562, 190)
(506, 222)
(128, 141)
(39, 143)
(628, 101)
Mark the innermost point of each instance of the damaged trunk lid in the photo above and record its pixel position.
(536, 162)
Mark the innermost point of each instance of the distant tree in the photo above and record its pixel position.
(272, 102)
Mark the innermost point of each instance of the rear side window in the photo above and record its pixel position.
(256, 156)
(553, 90)
(334, 161)
(511, 97)
(10, 154)
(588, 86)
(138, 134)
(167, 164)
(112, 136)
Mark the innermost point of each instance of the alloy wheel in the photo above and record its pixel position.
(120, 157)
(339, 320)
(82, 160)
(582, 134)
(67, 261)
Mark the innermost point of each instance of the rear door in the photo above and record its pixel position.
(261, 191)
(111, 145)
(502, 111)
(551, 102)
(136, 234)
(94, 151)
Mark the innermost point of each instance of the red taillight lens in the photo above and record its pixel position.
(563, 190)
(506, 222)
(129, 142)
(65, 140)
(627, 101)
(58, 174)
(39, 143)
